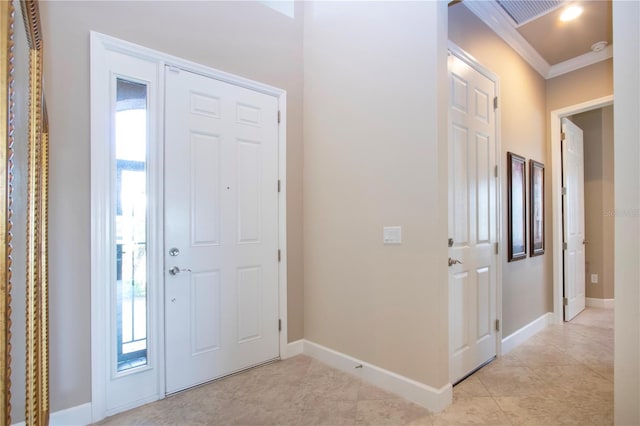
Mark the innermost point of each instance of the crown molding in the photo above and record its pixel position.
(501, 23)
(492, 14)
(580, 62)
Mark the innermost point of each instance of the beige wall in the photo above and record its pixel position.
(626, 36)
(597, 127)
(375, 155)
(584, 84)
(526, 284)
(244, 38)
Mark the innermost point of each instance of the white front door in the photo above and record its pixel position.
(573, 219)
(472, 219)
(221, 229)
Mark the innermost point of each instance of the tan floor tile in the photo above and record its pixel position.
(469, 388)
(510, 381)
(520, 410)
(394, 412)
(368, 392)
(472, 411)
(561, 376)
(321, 411)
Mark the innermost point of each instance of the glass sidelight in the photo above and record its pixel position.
(131, 218)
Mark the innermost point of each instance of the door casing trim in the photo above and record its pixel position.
(100, 45)
(556, 194)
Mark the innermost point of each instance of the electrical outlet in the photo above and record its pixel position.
(594, 278)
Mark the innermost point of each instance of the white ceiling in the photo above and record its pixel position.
(533, 29)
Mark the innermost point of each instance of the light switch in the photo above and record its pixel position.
(392, 234)
(594, 278)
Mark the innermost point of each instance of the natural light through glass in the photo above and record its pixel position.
(131, 224)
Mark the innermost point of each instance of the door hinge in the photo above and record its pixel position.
(174, 69)
(278, 185)
(565, 246)
(495, 102)
(495, 171)
(279, 325)
(563, 136)
(565, 301)
(497, 325)
(564, 190)
(495, 247)
(279, 255)
(278, 117)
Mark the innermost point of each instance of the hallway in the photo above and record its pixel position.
(561, 376)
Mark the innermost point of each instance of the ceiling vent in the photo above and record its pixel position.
(523, 11)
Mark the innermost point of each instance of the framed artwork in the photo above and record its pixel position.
(536, 206)
(516, 197)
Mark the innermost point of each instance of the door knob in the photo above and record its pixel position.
(174, 270)
(454, 261)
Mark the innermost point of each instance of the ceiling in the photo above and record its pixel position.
(533, 28)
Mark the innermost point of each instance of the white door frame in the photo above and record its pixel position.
(456, 50)
(101, 44)
(556, 194)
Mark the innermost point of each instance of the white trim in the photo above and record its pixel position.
(501, 23)
(100, 44)
(556, 194)
(580, 62)
(592, 302)
(497, 19)
(114, 392)
(294, 348)
(132, 49)
(282, 221)
(79, 415)
(433, 399)
(520, 336)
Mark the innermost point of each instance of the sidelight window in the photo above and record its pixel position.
(131, 218)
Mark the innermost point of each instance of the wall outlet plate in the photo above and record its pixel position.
(594, 278)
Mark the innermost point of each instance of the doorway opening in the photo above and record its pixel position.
(556, 193)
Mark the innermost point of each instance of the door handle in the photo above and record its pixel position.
(174, 270)
(454, 261)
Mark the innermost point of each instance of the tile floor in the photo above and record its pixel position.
(563, 375)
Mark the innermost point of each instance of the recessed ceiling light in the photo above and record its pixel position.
(571, 13)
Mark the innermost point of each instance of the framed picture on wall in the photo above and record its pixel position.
(536, 206)
(516, 197)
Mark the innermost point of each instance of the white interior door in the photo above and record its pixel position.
(221, 229)
(573, 219)
(472, 219)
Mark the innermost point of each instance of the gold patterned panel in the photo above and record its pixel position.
(6, 151)
(37, 311)
(37, 377)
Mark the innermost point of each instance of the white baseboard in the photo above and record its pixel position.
(79, 415)
(514, 339)
(592, 302)
(293, 349)
(433, 399)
